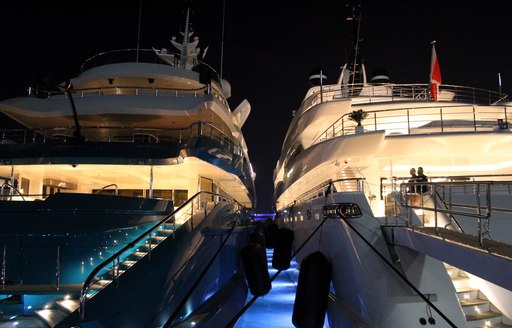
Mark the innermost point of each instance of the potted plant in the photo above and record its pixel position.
(358, 116)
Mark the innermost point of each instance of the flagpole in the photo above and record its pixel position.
(435, 74)
(433, 43)
(433, 93)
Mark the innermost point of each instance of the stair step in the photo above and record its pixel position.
(51, 316)
(158, 238)
(104, 282)
(98, 285)
(467, 293)
(475, 306)
(461, 282)
(146, 246)
(473, 302)
(127, 263)
(139, 254)
(454, 271)
(69, 305)
(111, 275)
(483, 319)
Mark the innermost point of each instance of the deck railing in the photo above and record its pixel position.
(133, 91)
(330, 186)
(457, 200)
(374, 93)
(122, 90)
(441, 118)
(120, 134)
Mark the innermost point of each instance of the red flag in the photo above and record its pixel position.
(435, 74)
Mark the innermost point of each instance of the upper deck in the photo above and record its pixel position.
(391, 92)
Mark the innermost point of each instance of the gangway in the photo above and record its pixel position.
(492, 262)
(452, 223)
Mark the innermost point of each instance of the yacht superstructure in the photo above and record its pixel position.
(342, 184)
(130, 182)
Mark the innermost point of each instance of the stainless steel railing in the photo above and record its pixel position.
(201, 201)
(121, 134)
(441, 118)
(374, 93)
(476, 204)
(108, 186)
(327, 187)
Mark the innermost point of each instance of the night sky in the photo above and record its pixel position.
(269, 49)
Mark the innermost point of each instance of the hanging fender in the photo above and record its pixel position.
(270, 234)
(257, 237)
(283, 244)
(312, 291)
(254, 259)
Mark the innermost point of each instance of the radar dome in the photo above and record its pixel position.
(380, 76)
(317, 76)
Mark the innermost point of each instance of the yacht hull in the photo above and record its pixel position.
(366, 292)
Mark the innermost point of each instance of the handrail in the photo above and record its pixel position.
(42, 135)
(438, 118)
(88, 282)
(39, 93)
(321, 189)
(452, 218)
(108, 186)
(483, 208)
(370, 93)
(128, 87)
(7, 184)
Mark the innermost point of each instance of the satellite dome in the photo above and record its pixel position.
(317, 76)
(380, 76)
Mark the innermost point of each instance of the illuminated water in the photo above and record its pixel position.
(275, 309)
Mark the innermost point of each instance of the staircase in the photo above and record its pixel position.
(479, 311)
(347, 181)
(55, 311)
(108, 275)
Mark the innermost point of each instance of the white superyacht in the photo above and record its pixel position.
(125, 195)
(403, 252)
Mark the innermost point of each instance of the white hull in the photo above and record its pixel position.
(368, 292)
(354, 143)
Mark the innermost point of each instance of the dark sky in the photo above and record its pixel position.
(269, 49)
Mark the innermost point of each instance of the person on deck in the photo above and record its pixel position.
(421, 178)
(412, 179)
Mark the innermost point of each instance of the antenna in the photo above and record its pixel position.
(186, 38)
(138, 31)
(499, 82)
(222, 40)
(355, 74)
